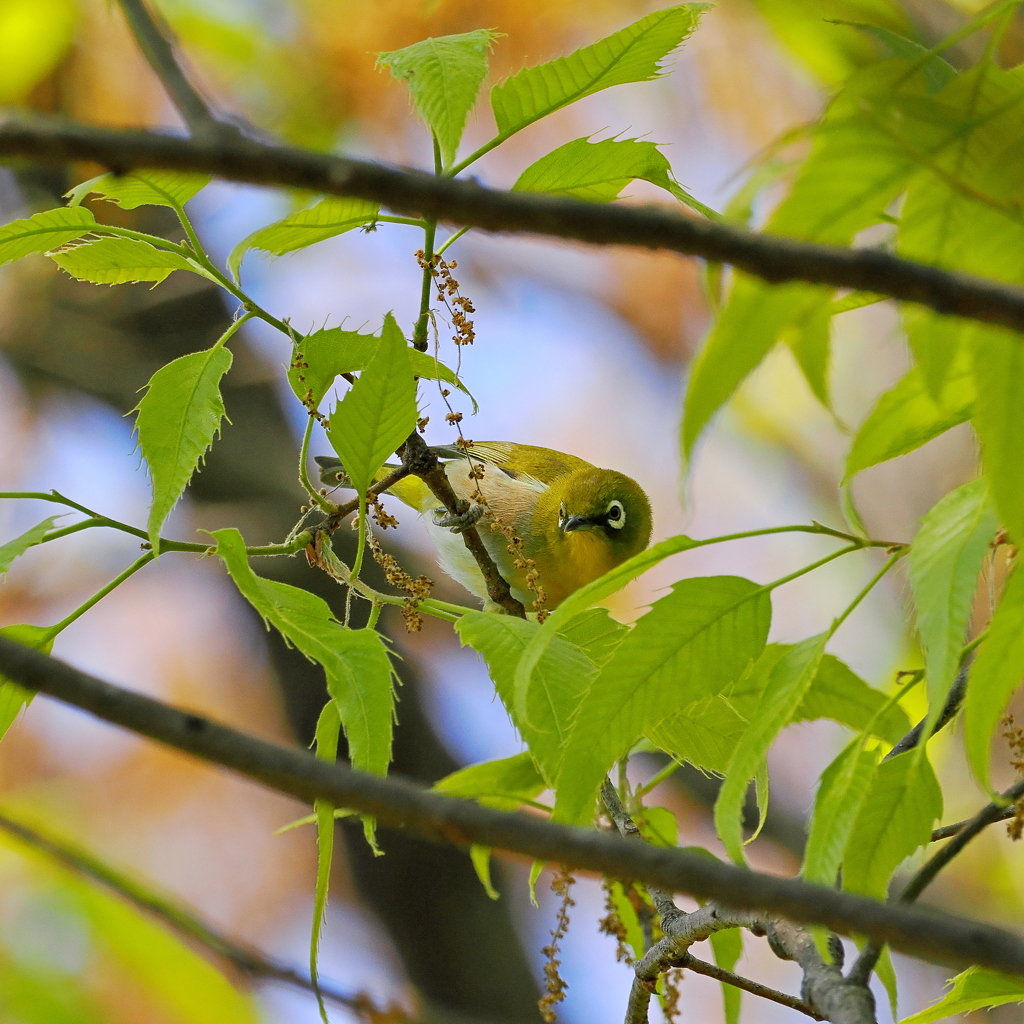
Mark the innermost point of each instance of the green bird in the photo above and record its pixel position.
(575, 521)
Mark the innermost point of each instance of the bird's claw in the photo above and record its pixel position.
(458, 523)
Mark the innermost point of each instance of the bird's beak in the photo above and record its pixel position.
(578, 523)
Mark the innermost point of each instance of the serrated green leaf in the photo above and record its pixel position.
(975, 989)
(744, 333)
(840, 694)
(936, 342)
(141, 188)
(689, 646)
(444, 75)
(907, 417)
(895, 819)
(945, 559)
(998, 418)
(328, 730)
(633, 54)
(937, 72)
(854, 171)
(379, 411)
(790, 680)
(596, 633)
(481, 860)
(331, 216)
(830, 52)
(19, 545)
(886, 973)
(355, 661)
(43, 231)
(178, 418)
(111, 260)
(841, 792)
(995, 675)
(322, 356)
(13, 696)
(727, 946)
(658, 826)
(599, 171)
(810, 341)
(503, 784)
(704, 734)
(544, 715)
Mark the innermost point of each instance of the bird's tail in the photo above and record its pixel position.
(411, 490)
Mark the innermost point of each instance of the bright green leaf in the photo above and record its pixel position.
(907, 417)
(328, 729)
(844, 785)
(43, 231)
(727, 946)
(355, 661)
(975, 989)
(937, 72)
(995, 675)
(633, 54)
(599, 171)
(840, 694)
(379, 412)
(895, 819)
(945, 560)
(658, 825)
(111, 260)
(544, 715)
(14, 697)
(504, 784)
(810, 341)
(790, 679)
(178, 418)
(936, 342)
(596, 633)
(690, 645)
(322, 356)
(331, 216)
(19, 545)
(481, 859)
(141, 188)
(999, 420)
(744, 333)
(444, 75)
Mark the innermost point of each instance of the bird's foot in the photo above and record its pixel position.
(458, 523)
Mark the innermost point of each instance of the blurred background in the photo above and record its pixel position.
(580, 349)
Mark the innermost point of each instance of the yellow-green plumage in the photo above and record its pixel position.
(576, 521)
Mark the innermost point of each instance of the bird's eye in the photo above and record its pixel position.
(616, 515)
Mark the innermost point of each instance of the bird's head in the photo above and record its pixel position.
(609, 505)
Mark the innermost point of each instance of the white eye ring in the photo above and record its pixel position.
(615, 515)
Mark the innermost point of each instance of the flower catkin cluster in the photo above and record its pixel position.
(554, 984)
(612, 924)
(418, 589)
(1014, 735)
(458, 306)
(516, 549)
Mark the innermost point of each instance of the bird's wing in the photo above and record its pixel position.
(516, 460)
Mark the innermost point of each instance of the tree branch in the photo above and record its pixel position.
(924, 933)
(416, 193)
(156, 46)
(245, 958)
(691, 963)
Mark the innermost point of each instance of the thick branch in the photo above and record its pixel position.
(416, 193)
(925, 933)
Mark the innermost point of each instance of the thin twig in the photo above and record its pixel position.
(396, 803)
(691, 963)
(772, 258)
(948, 831)
(182, 919)
(155, 42)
